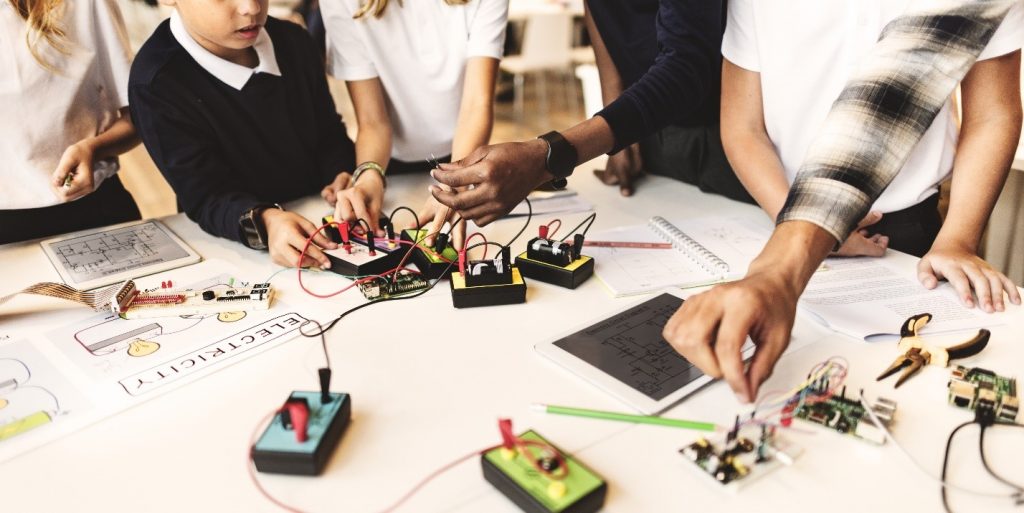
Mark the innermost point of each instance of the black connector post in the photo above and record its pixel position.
(325, 384)
(577, 246)
(440, 242)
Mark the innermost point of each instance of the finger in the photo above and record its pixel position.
(463, 177)
(459, 200)
(297, 241)
(362, 211)
(483, 214)
(732, 333)
(343, 181)
(459, 235)
(995, 285)
(981, 286)
(960, 283)
(327, 193)
(626, 189)
(691, 334)
(286, 255)
(343, 210)
(767, 354)
(926, 274)
(319, 238)
(606, 177)
(873, 217)
(1010, 288)
(436, 225)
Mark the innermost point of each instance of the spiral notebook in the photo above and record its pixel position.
(704, 251)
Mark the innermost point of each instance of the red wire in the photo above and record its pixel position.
(474, 234)
(432, 476)
(252, 466)
(551, 233)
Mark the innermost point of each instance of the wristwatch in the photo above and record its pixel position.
(254, 232)
(562, 158)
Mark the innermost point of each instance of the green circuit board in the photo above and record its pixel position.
(971, 388)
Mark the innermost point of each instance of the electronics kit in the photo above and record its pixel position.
(533, 473)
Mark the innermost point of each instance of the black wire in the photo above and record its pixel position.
(529, 218)
(367, 225)
(391, 218)
(984, 461)
(945, 463)
(451, 227)
(323, 339)
(590, 218)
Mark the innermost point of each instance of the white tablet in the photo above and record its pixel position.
(94, 258)
(626, 356)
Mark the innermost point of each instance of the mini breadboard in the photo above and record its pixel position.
(359, 256)
(384, 287)
(556, 262)
(576, 490)
(748, 453)
(843, 415)
(436, 261)
(974, 388)
(131, 303)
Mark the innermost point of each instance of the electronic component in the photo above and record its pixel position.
(749, 451)
(552, 489)
(303, 433)
(558, 263)
(973, 388)
(131, 303)
(488, 282)
(428, 262)
(847, 416)
(355, 257)
(384, 287)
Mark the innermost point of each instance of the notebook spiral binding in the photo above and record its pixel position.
(695, 251)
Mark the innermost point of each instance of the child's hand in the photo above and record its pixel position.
(286, 236)
(361, 201)
(965, 270)
(861, 243)
(73, 177)
(432, 216)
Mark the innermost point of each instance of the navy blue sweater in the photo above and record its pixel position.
(225, 151)
(682, 85)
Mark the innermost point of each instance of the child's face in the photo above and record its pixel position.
(227, 28)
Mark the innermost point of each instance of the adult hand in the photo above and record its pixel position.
(331, 191)
(74, 169)
(495, 179)
(965, 271)
(433, 216)
(363, 200)
(286, 237)
(861, 242)
(623, 169)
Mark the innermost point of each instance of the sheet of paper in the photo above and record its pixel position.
(553, 202)
(865, 297)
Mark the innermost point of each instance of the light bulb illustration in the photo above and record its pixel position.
(139, 347)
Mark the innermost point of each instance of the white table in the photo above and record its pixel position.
(428, 383)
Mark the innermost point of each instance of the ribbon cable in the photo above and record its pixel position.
(97, 299)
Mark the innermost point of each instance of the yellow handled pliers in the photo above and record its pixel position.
(915, 353)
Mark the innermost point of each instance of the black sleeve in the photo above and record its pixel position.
(683, 74)
(187, 155)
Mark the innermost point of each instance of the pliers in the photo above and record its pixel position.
(915, 353)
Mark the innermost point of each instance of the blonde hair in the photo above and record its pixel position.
(377, 7)
(43, 19)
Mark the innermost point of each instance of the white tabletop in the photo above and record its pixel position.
(428, 383)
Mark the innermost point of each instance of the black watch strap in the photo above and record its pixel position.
(254, 232)
(562, 158)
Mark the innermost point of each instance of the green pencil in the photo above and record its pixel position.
(625, 417)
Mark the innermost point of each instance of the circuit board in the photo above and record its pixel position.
(131, 303)
(383, 287)
(971, 388)
(748, 452)
(846, 416)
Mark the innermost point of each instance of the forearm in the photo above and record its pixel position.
(373, 143)
(793, 254)
(119, 138)
(473, 128)
(758, 167)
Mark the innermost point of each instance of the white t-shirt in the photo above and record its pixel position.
(43, 112)
(418, 49)
(805, 50)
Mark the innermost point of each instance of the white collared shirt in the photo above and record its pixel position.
(234, 75)
(418, 49)
(805, 50)
(42, 112)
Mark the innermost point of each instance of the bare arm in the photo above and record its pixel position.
(78, 158)
(988, 139)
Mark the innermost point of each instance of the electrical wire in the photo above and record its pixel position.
(945, 464)
(984, 460)
(391, 218)
(529, 218)
(589, 221)
(482, 236)
(552, 232)
(433, 475)
(323, 338)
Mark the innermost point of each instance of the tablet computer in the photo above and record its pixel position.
(626, 356)
(94, 258)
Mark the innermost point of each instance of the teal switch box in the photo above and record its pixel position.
(278, 450)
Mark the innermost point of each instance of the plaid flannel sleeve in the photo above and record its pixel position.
(885, 109)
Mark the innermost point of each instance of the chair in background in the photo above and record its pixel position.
(547, 46)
